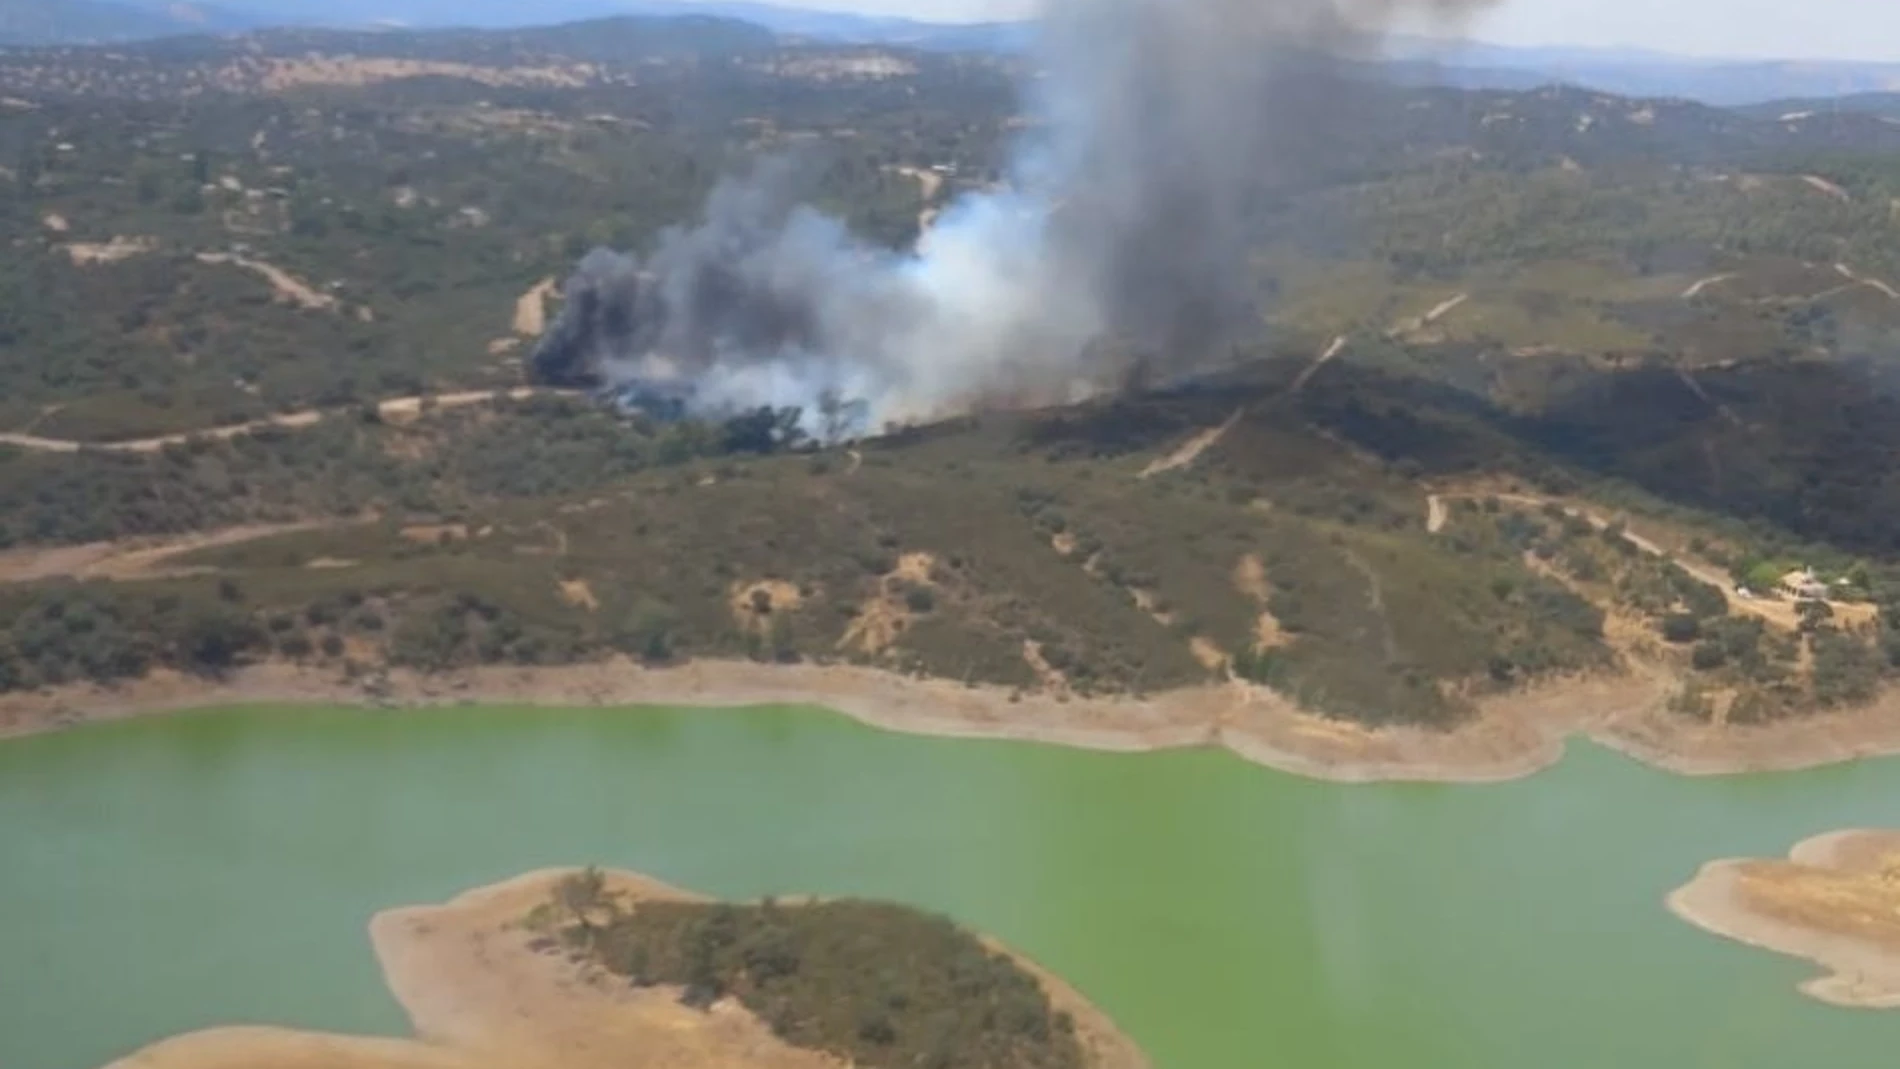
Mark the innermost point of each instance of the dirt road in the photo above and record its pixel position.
(396, 408)
(132, 559)
(1848, 273)
(1332, 351)
(1701, 284)
(1191, 450)
(287, 286)
(1782, 614)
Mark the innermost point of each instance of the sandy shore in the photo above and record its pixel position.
(1835, 901)
(481, 996)
(1511, 736)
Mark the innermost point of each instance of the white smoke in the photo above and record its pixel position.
(1116, 245)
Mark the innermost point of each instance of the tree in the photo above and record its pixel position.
(648, 631)
(215, 637)
(583, 895)
(1681, 628)
(1814, 615)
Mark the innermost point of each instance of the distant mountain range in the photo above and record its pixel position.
(60, 22)
(1634, 72)
(1410, 60)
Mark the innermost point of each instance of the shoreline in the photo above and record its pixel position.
(1509, 738)
(1833, 902)
(482, 991)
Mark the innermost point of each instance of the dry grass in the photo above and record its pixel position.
(1856, 895)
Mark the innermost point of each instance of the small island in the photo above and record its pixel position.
(1835, 901)
(578, 969)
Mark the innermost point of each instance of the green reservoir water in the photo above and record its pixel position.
(175, 873)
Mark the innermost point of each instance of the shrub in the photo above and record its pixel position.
(1681, 628)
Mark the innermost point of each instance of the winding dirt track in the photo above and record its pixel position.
(1780, 613)
(396, 408)
(133, 559)
(1338, 346)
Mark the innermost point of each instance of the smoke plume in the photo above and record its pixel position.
(1115, 250)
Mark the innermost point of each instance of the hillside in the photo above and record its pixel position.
(1542, 378)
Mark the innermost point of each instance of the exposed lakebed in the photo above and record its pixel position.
(173, 873)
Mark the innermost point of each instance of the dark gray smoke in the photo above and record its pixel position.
(1118, 245)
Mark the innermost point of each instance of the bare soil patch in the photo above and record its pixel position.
(883, 617)
(755, 605)
(1250, 578)
(1835, 901)
(531, 311)
(578, 593)
(278, 74)
(87, 254)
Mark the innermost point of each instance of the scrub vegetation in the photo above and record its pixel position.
(1639, 354)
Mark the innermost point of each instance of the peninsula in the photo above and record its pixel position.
(1834, 901)
(592, 969)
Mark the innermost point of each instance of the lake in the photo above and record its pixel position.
(173, 873)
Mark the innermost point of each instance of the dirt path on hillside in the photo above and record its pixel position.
(1781, 614)
(1849, 274)
(1191, 450)
(1689, 380)
(1332, 352)
(286, 285)
(1701, 284)
(1375, 601)
(134, 558)
(1445, 308)
(394, 409)
(1822, 185)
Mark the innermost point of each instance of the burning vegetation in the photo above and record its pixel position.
(1113, 252)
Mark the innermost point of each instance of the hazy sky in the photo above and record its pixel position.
(1845, 29)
